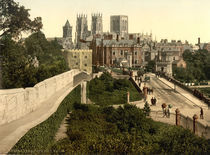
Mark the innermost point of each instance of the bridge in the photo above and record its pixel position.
(22, 109)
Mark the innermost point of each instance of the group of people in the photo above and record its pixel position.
(150, 90)
(166, 110)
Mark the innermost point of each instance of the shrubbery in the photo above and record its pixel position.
(124, 130)
(107, 90)
(41, 136)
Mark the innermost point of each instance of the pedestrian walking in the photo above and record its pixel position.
(168, 111)
(201, 113)
(154, 100)
(139, 84)
(164, 109)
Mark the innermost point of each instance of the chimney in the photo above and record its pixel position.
(138, 40)
(199, 41)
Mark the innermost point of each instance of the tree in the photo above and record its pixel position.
(147, 108)
(17, 70)
(150, 67)
(14, 19)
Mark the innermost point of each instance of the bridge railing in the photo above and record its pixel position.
(185, 122)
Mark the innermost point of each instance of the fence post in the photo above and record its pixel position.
(177, 117)
(195, 117)
(128, 97)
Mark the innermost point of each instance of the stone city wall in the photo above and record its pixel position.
(16, 103)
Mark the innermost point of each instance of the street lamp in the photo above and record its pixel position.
(174, 83)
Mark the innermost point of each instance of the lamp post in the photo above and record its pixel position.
(174, 83)
(1, 45)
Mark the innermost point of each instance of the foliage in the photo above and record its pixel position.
(124, 130)
(150, 67)
(140, 72)
(206, 91)
(198, 67)
(14, 19)
(41, 136)
(107, 90)
(147, 108)
(18, 68)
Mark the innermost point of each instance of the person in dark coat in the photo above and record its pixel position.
(201, 113)
(154, 100)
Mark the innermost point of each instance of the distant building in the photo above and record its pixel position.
(179, 63)
(207, 47)
(97, 24)
(119, 25)
(66, 40)
(111, 52)
(79, 59)
(81, 30)
(67, 30)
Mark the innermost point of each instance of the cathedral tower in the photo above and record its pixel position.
(97, 24)
(81, 29)
(67, 30)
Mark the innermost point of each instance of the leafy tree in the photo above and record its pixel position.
(147, 108)
(14, 19)
(150, 67)
(17, 70)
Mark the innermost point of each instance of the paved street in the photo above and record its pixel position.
(179, 98)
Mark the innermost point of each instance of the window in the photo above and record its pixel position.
(113, 53)
(77, 63)
(86, 57)
(174, 58)
(85, 64)
(75, 56)
(136, 61)
(135, 52)
(121, 52)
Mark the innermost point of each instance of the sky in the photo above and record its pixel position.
(166, 19)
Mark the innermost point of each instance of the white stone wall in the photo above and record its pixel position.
(15, 103)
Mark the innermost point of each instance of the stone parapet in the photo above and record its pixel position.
(16, 103)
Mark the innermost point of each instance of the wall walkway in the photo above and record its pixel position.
(25, 108)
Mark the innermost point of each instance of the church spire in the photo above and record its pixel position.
(67, 24)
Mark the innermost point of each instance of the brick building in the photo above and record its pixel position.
(111, 52)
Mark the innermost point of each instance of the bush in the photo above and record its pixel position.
(42, 136)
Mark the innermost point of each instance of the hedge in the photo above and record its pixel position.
(39, 138)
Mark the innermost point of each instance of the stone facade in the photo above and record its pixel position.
(116, 53)
(97, 24)
(119, 25)
(81, 30)
(170, 53)
(79, 59)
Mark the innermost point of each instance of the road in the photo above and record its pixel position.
(179, 98)
(165, 94)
